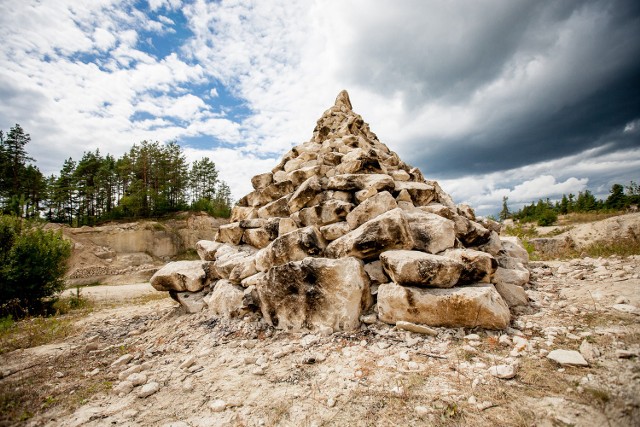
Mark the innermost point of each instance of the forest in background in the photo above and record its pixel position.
(545, 212)
(151, 180)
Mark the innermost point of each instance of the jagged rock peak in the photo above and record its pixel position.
(343, 99)
(340, 121)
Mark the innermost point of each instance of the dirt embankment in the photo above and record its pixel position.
(121, 253)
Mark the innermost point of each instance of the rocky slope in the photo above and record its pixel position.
(121, 253)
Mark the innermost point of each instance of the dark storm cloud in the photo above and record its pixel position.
(583, 93)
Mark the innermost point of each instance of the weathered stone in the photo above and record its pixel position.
(416, 175)
(191, 301)
(255, 199)
(470, 233)
(514, 295)
(376, 273)
(360, 161)
(493, 245)
(286, 225)
(148, 389)
(431, 233)
(298, 176)
(477, 266)
(438, 209)
(243, 261)
(553, 246)
(385, 232)
(278, 190)
(229, 233)
(238, 213)
(400, 175)
(414, 268)
(363, 195)
(466, 211)
(258, 237)
(356, 182)
(504, 372)
(277, 208)
(315, 292)
(261, 181)
(510, 276)
(226, 300)
(181, 276)
(334, 231)
(471, 306)
(306, 192)
(512, 246)
(327, 213)
(404, 196)
(293, 246)
(418, 329)
(421, 193)
(279, 176)
(207, 249)
(253, 223)
(442, 197)
(371, 208)
(567, 357)
(252, 280)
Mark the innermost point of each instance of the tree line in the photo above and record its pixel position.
(148, 181)
(545, 212)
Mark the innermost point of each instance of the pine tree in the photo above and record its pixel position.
(504, 213)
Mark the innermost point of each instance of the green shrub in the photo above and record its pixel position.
(32, 264)
(548, 217)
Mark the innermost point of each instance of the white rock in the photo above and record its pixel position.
(137, 378)
(504, 372)
(148, 389)
(567, 357)
(419, 329)
(217, 405)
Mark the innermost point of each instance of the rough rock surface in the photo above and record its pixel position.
(299, 242)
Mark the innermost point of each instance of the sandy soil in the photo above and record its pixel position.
(113, 293)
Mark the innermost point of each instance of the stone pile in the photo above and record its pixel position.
(342, 229)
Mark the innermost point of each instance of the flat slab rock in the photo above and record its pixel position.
(415, 268)
(567, 357)
(477, 305)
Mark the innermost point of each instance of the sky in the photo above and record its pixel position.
(492, 98)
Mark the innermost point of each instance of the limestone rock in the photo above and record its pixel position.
(277, 208)
(315, 292)
(512, 246)
(384, 232)
(514, 295)
(421, 193)
(355, 182)
(431, 233)
(371, 208)
(510, 276)
(376, 273)
(191, 301)
(414, 268)
(261, 181)
(418, 329)
(469, 307)
(207, 249)
(181, 276)
(334, 231)
(306, 192)
(238, 213)
(293, 246)
(567, 357)
(226, 300)
(477, 266)
(257, 237)
(229, 233)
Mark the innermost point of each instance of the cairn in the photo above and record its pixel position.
(342, 227)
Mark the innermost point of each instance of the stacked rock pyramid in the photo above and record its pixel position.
(342, 227)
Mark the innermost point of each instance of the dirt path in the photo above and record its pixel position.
(113, 292)
(153, 365)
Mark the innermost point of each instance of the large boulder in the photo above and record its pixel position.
(431, 233)
(182, 276)
(315, 292)
(226, 300)
(384, 232)
(469, 307)
(371, 208)
(414, 268)
(293, 246)
(477, 266)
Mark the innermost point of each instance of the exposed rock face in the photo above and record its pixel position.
(342, 221)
